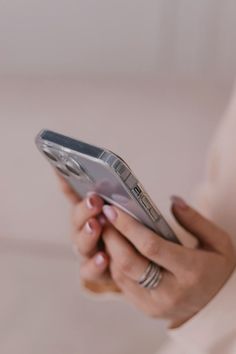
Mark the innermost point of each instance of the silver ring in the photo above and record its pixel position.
(151, 277)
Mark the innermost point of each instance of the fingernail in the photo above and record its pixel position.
(89, 227)
(101, 220)
(179, 202)
(100, 259)
(93, 201)
(109, 212)
(90, 202)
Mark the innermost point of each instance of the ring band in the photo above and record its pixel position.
(151, 277)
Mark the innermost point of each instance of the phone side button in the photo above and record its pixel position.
(122, 170)
(131, 182)
(154, 215)
(146, 203)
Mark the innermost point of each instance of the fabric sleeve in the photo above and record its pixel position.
(213, 329)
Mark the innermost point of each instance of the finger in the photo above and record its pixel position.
(167, 254)
(123, 254)
(159, 302)
(101, 285)
(136, 295)
(69, 192)
(206, 231)
(86, 241)
(95, 267)
(90, 206)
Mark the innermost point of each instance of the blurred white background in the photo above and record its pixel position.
(147, 79)
(126, 37)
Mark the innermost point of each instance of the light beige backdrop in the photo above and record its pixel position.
(162, 129)
(147, 79)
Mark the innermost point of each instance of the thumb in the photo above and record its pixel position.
(209, 235)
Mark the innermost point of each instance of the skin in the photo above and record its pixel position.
(191, 277)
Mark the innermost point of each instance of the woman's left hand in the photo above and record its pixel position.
(190, 277)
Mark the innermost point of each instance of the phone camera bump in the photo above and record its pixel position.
(73, 167)
(62, 171)
(49, 154)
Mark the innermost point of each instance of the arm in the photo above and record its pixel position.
(214, 328)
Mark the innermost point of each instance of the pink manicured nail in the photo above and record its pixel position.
(110, 213)
(88, 227)
(93, 201)
(100, 259)
(90, 202)
(179, 202)
(102, 220)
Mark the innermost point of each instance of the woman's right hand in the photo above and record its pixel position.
(88, 224)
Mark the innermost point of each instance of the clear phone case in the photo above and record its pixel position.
(89, 168)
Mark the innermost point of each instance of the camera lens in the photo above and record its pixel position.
(49, 154)
(61, 170)
(73, 167)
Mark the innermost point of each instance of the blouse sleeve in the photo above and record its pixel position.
(213, 329)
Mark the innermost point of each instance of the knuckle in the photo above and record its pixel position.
(125, 263)
(173, 302)
(127, 226)
(76, 242)
(194, 277)
(151, 247)
(105, 233)
(170, 302)
(117, 275)
(82, 251)
(85, 247)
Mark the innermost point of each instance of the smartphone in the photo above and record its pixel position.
(88, 168)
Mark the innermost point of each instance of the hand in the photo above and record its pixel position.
(88, 224)
(191, 277)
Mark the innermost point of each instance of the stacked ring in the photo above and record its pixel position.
(151, 277)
